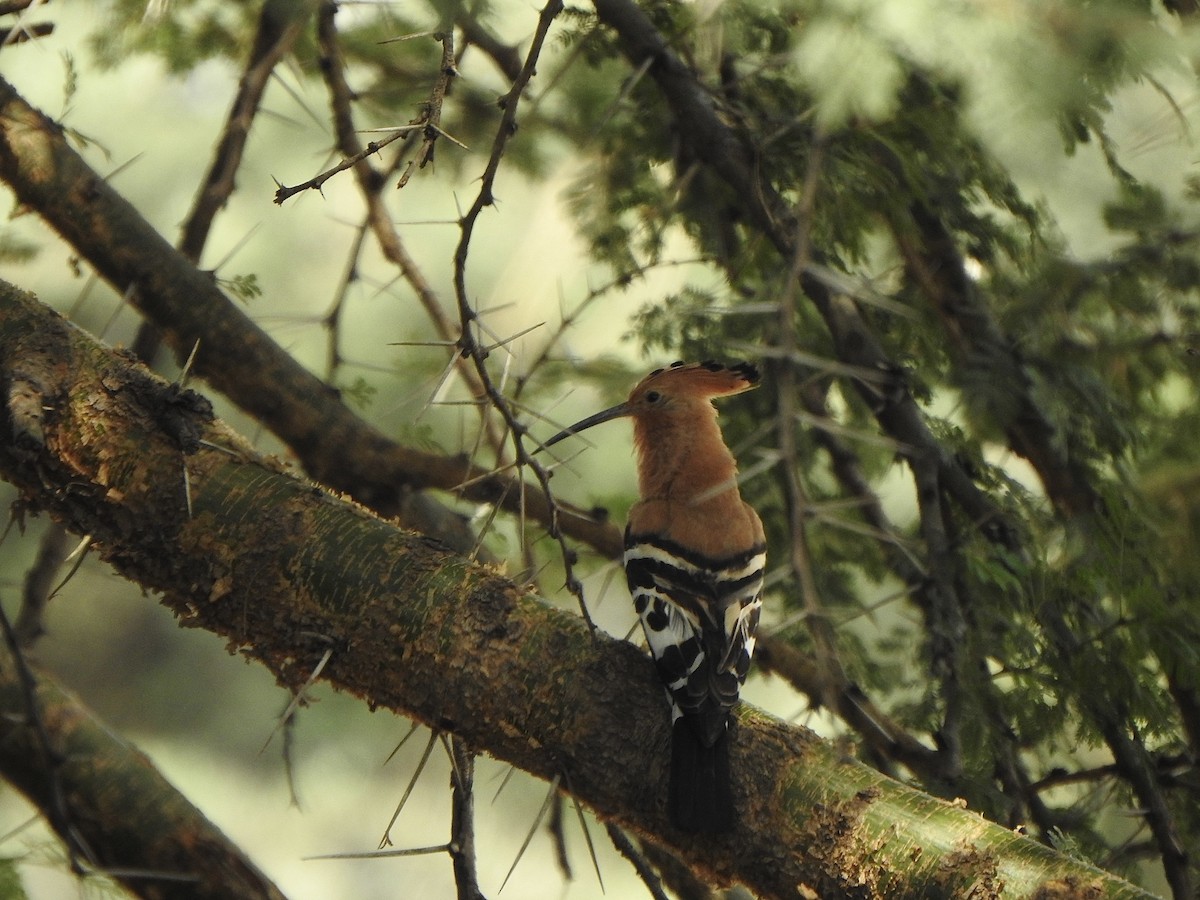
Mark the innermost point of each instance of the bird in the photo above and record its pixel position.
(693, 559)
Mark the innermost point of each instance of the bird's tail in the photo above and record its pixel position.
(699, 798)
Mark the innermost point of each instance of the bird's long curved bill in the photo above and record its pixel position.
(613, 412)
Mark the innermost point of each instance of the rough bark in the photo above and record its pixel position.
(285, 570)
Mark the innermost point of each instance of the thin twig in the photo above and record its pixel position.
(283, 192)
(371, 183)
(384, 854)
(273, 39)
(587, 834)
(469, 318)
(39, 580)
(431, 113)
(558, 836)
(832, 672)
(298, 697)
(645, 871)
(462, 820)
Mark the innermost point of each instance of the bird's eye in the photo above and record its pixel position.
(653, 397)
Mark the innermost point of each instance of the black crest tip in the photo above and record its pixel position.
(747, 370)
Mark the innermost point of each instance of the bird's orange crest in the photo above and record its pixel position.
(702, 379)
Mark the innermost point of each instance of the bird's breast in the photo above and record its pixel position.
(715, 530)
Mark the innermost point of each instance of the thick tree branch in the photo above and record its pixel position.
(135, 826)
(286, 571)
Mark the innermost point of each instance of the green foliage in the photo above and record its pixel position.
(70, 80)
(608, 374)
(187, 33)
(359, 392)
(679, 322)
(244, 287)
(420, 435)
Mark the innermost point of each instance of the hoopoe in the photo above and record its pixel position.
(694, 557)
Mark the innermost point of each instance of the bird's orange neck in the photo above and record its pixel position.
(683, 458)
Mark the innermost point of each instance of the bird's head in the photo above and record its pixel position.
(677, 392)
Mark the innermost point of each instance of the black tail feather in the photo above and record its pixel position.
(699, 798)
